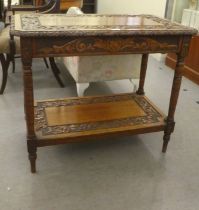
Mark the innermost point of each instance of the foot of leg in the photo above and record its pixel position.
(32, 150)
(166, 139)
(32, 158)
(167, 134)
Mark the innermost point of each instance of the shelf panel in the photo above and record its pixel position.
(74, 119)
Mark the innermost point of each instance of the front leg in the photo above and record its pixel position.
(170, 124)
(26, 53)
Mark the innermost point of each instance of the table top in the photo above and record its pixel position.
(94, 25)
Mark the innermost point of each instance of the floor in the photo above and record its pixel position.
(127, 173)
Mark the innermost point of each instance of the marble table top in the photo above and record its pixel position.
(94, 25)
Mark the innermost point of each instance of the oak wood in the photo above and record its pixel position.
(92, 113)
(73, 120)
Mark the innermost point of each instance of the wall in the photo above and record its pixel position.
(156, 7)
(178, 9)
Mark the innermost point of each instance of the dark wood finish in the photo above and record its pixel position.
(89, 6)
(30, 2)
(5, 62)
(27, 2)
(4, 66)
(144, 34)
(46, 63)
(55, 71)
(175, 92)
(9, 4)
(29, 101)
(1, 10)
(144, 62)
(191, 68)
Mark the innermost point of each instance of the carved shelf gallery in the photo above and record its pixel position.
(71, 119)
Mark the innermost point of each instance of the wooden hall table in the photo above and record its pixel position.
(52, 122)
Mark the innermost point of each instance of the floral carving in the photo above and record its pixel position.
(41, 124)
(109, 45)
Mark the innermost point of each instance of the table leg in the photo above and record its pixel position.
(173, 101)
(32, 150)
(29, 102)
(4, 65)
(143, 69)
(56, 71)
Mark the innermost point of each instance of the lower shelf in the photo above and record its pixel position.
(75, 119)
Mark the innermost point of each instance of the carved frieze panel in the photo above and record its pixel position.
(106, 45)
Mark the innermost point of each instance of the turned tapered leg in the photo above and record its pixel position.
(143, 69)
(170, 124)
(26, 53)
